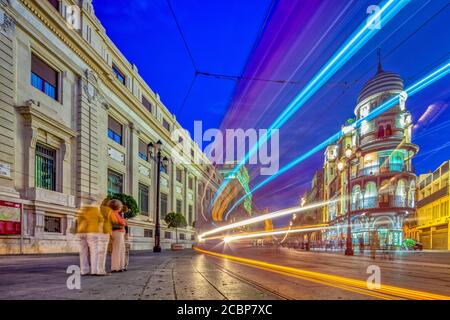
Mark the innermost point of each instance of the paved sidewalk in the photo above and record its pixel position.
(165, 276)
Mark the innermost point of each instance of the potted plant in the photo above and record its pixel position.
(175, 220)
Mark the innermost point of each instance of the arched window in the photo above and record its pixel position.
(411, 194)
(383, 200)
(370, 195)
(388, 130)
(400, 194)
(356, 197)
(381, 132)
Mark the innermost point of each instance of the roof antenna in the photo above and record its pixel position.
(380, 69)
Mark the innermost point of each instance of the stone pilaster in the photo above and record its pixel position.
(7, 110)
(88, 138)
(133, 162)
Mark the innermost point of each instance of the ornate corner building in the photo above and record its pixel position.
(371, 166)
(75, 122)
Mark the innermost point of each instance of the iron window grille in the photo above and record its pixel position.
(45, 168)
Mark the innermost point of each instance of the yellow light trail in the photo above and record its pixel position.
(263, 217)
(332, 280)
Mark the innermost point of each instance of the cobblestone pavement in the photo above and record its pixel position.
(188, 275)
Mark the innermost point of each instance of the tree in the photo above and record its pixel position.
(129, 201)
(175, 220)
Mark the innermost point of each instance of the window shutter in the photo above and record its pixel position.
(115, 126)
(44, 71)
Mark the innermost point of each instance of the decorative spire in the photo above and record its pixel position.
(380, 69)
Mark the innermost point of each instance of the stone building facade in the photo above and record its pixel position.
(75, 122)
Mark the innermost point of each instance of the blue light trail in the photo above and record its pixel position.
(432, 77)
(388, 9)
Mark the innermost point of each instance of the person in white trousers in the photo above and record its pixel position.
(104, 237)
(89, 228)
(118, 236)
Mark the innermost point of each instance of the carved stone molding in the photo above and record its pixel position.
(7, 24)
(90, 85)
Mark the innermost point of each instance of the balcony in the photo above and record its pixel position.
(375, 170)
(382, 203)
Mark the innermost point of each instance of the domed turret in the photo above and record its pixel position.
(381, 82)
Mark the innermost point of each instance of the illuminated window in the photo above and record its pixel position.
(380, 132)
(388, 130)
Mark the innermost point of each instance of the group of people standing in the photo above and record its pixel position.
(98, 226)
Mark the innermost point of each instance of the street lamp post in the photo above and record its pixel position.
(157, 149)
(341, 166)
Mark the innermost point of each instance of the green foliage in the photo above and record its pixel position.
(129, 201)
(175, 220)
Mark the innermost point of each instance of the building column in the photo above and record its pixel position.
(132, 168)
(7, 109)
(184, 206)
(172, 193)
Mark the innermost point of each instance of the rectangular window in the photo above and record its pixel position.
(119, 75)
(114, 130)
(115, 182)
(182, 236)
(179, 175)
(167, 235)
(147, 104)
(190, 183)
(54, 3)
(143, 199)
(163, 206)
(52, 224)
(192, 237)
(163, 168)
(166, 125)
(179, 206)
(190, 214)
(45, 168)
(192, 153)
(143, 154)
(148, 233)
(43, 77)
